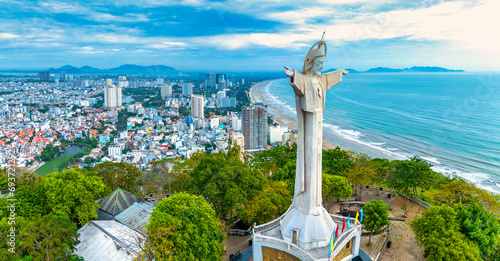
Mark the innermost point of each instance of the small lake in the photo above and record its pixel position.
(127, 99)
(72, 150)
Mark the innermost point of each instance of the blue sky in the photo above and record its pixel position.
(199, 35)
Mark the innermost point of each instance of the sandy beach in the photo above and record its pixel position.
(277, 116)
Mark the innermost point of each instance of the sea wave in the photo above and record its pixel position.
(355, 136)
(431, 159)
(277, 102)
(481, 180)
(404, 150)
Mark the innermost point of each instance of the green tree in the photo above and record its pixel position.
(376, 217)
(227, 183)
(30, 196)
(72, 193)
(437, 230)
(410, 175)
(274, 159)
(286, 174)
(449, 245)
(337, 161)
(151, 248)
(480, 226)
(269, 204)
(360, 174)
(335, 186)
(118, 175)
(49, 238)
(40, 238)
(383, 167)
(460, 191)
(196, 234)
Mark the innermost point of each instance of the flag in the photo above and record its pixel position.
(361, 216)
(349, 221)
(332, 239)
(336, 231)
(356, 220)
(343, 225)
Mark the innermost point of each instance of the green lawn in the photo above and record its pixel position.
(56, 164)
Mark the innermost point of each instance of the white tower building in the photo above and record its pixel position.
(197, 106)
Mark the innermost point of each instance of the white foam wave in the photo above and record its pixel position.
(479, 179)
(278, 102)
(432, 159)
(353, 135)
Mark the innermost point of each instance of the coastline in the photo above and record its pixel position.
(278, 116)
(330, 139)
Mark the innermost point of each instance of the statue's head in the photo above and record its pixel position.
(315, 59)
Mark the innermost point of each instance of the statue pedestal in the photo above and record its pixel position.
(307, 229)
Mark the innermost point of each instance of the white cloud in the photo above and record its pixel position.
(8, 36)
(300, 16)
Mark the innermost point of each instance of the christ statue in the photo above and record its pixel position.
(310, 88)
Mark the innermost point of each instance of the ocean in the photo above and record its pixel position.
(452, 120)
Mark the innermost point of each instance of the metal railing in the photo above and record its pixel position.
(421, 202)
(341, 241)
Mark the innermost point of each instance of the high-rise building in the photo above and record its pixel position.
(109, 82)
(63, 75)
(78, 84)
(237, 138)
(236, 123)
(210, 80)
(221, 94)
(255, 126)
(160, 81)
(112, 98)
(276, 133)
(44, 76)
(166, 90)
(221, 85)
(187, 89)
(122, 82)
(197, 106)
(221, 81)
(228, 102)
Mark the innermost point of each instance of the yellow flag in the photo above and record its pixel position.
(356, 220)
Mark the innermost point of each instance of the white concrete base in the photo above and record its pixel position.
(315, 227)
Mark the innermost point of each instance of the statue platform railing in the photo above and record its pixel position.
(339, 243)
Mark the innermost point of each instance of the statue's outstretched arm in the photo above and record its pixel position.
(334, 77)
(288, 71)
(296, 80)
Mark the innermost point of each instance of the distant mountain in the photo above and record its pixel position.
(153, 69)
(89, 69)
(429, 69)
(69, 69)
(126, 68)
(383, 70)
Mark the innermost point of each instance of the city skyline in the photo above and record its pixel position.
(242, 36)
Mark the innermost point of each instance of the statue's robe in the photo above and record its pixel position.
(310, 103)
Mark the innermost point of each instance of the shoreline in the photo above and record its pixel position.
(332, 139)
(280, 118)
